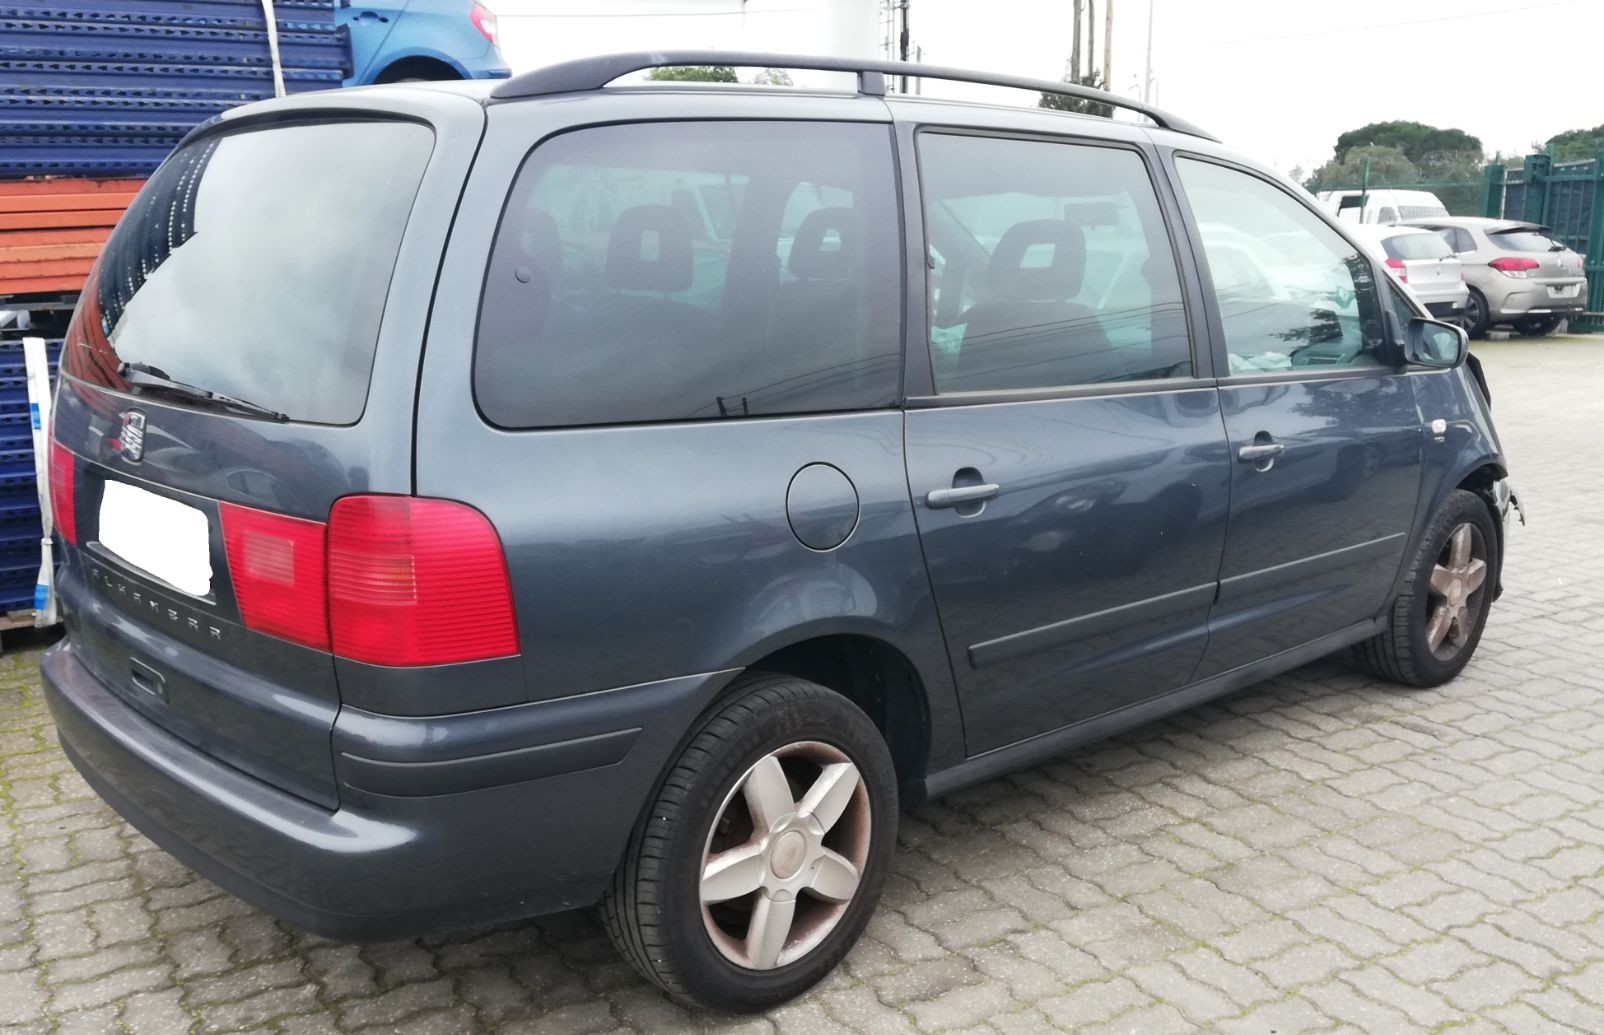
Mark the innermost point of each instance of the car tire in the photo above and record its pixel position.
(1436, 621)
(1537, 326)
(757, 802)
(1477, 317)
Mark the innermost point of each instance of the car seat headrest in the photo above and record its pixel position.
(649, 250)
(541, 242)
(1017, 270)
(814, 256)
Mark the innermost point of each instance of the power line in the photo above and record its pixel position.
(1396, 25)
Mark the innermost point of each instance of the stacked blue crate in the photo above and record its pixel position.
(107, 87)
(19, 497)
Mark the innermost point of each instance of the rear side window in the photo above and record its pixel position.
(1525, 241)
(1050, 266)
(256, 265)
(1416, 246)
(694, 271)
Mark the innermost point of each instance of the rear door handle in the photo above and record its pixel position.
(959, 495)
(1257, 454)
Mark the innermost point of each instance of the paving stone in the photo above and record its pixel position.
(1320, 853)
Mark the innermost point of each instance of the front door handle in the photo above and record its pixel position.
(959, 495)
(1257, 454)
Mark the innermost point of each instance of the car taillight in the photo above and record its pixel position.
(277, 565)
(1399, 270)
(61, 492)
(417, 582)
(390, 580)
(485, 21)
(1514, 266)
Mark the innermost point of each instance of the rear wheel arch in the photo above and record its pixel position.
(417, 67)
(869, 672)
(874, 675)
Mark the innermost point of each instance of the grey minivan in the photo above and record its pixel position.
(481, 500)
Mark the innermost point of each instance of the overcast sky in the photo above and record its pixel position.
(1280, 79)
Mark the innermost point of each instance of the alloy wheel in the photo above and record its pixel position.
(1458, 584)
(785, 856)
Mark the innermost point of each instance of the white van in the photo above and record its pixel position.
(1383, 205)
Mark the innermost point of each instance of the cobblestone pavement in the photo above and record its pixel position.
(1320, 853)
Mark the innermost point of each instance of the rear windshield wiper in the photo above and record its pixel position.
(157, 378)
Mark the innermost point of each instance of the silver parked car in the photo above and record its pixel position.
(1423, 262)
(1519, 273)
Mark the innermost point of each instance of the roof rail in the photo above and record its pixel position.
(593, 73)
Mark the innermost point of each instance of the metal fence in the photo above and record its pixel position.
(1565, 196)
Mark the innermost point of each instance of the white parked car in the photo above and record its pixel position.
(1383, 205)
(1421, 261)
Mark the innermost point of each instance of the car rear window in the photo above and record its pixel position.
(694, 271)
(1425, 245)
(256, 265)
(1525, 241)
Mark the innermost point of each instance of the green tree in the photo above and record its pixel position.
(1576, 145)
(1061, 102)
(1456, 180)
(1389, 166)
(773, 77)
(693, 74)
(1423, 145)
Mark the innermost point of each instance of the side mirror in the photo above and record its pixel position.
(1431, 343)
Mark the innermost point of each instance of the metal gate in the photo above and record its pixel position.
(1569, 198)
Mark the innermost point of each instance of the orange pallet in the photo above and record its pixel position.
(51, 230)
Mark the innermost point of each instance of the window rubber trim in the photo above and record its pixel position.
(1201, 359)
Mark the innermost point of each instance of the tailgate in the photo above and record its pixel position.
(150, 600)
(1434, 276)
(239, 361)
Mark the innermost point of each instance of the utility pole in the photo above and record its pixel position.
(1074, 45)
(1091, 38)
(1108, 44)
(903, 42)
(1147, 77)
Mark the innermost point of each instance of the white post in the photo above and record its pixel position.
(272, 47)
(37, 363)
(1147, 78)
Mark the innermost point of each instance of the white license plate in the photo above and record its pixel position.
(1564, 292)
(166, 538)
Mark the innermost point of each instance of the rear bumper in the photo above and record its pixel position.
(1446, 310)
(420, 843)
(1536, 302)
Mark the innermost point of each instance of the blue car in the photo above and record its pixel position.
(396, 41)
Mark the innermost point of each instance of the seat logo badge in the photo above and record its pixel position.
(132, 439)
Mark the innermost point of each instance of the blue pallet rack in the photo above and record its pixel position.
(20, 527)
(108, 87)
